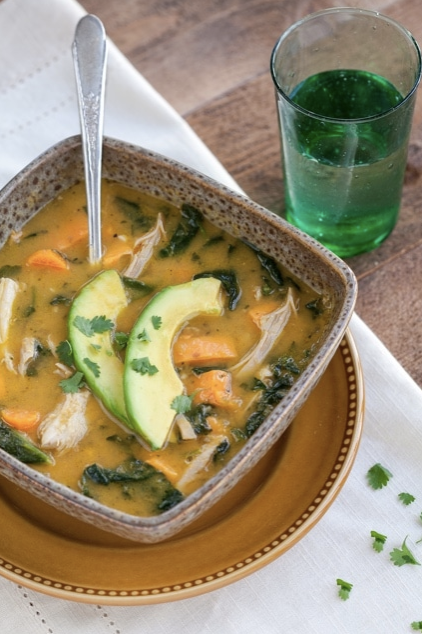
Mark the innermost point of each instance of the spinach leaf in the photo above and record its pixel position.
(132, 210)
(221, 450)
(206, 368)
(124, 441)
(35, 234)
(229, 282)
(9, 270)
(212, 241)
(19, 446)
(184, 233)
(136, 287)
(198, 418)
(269, 264)
(170, 498)
(316, 307)
(28, 311)
(61, 299)
(134, 478)
(284, 373)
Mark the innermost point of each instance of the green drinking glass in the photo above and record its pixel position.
(346, 83)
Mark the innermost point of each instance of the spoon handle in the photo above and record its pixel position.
(89, 56)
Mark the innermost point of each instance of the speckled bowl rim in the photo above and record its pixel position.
(170, 175)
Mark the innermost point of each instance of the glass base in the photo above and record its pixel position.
(349, 242)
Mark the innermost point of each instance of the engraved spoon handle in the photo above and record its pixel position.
(89, 56)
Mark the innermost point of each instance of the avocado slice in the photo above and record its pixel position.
(91, 321)
(150, 381)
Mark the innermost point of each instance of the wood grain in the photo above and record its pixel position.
(210, 60)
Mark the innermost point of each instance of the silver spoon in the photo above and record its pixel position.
(89, 56)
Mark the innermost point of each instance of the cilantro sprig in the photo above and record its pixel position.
(121, 339)
(144, 366)
(96, 325)
(379, 541)
(72, 384)
(345, 589)
(182, 403)
(144, 336)
(65, 353)
(403, 555)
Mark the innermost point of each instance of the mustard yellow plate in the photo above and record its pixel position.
(273, 507)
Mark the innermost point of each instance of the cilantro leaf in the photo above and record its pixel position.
(73, 383)
(156, 322)
(90, 327)
(182, 404)
(83, 325)
(94, 367)
(379, 541)
(344, 589)
(402, 556)
(121, 339)
(416, 625)
(144, 366)
(378, 476)
(144, 336)
(406, 498)
(101, 324)
(65, 353)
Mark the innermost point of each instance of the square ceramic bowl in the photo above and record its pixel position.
(60, 168)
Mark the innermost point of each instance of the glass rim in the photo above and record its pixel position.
(281, 92)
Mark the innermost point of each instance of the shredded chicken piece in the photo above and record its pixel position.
(27, 354)
(271, 325)
(8, 360)
(200, 462)
(15, 236)
(66, 425)
(8, 291)
(63, 370)
(144, 248)
(51, 346)
(186, 430)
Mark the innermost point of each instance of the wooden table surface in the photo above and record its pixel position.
(210, 60)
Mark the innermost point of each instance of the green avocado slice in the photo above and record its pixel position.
(91, 322)
(150, 381)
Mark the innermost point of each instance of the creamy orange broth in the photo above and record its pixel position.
(42, 306)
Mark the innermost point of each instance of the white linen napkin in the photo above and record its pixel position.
(297, 593)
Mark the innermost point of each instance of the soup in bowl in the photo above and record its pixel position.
(137, 391)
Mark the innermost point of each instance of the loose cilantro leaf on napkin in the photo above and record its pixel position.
(416, 625)
(402, 556)
(378, 476)
(344, 589)
(406, 498)
(379, 541)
